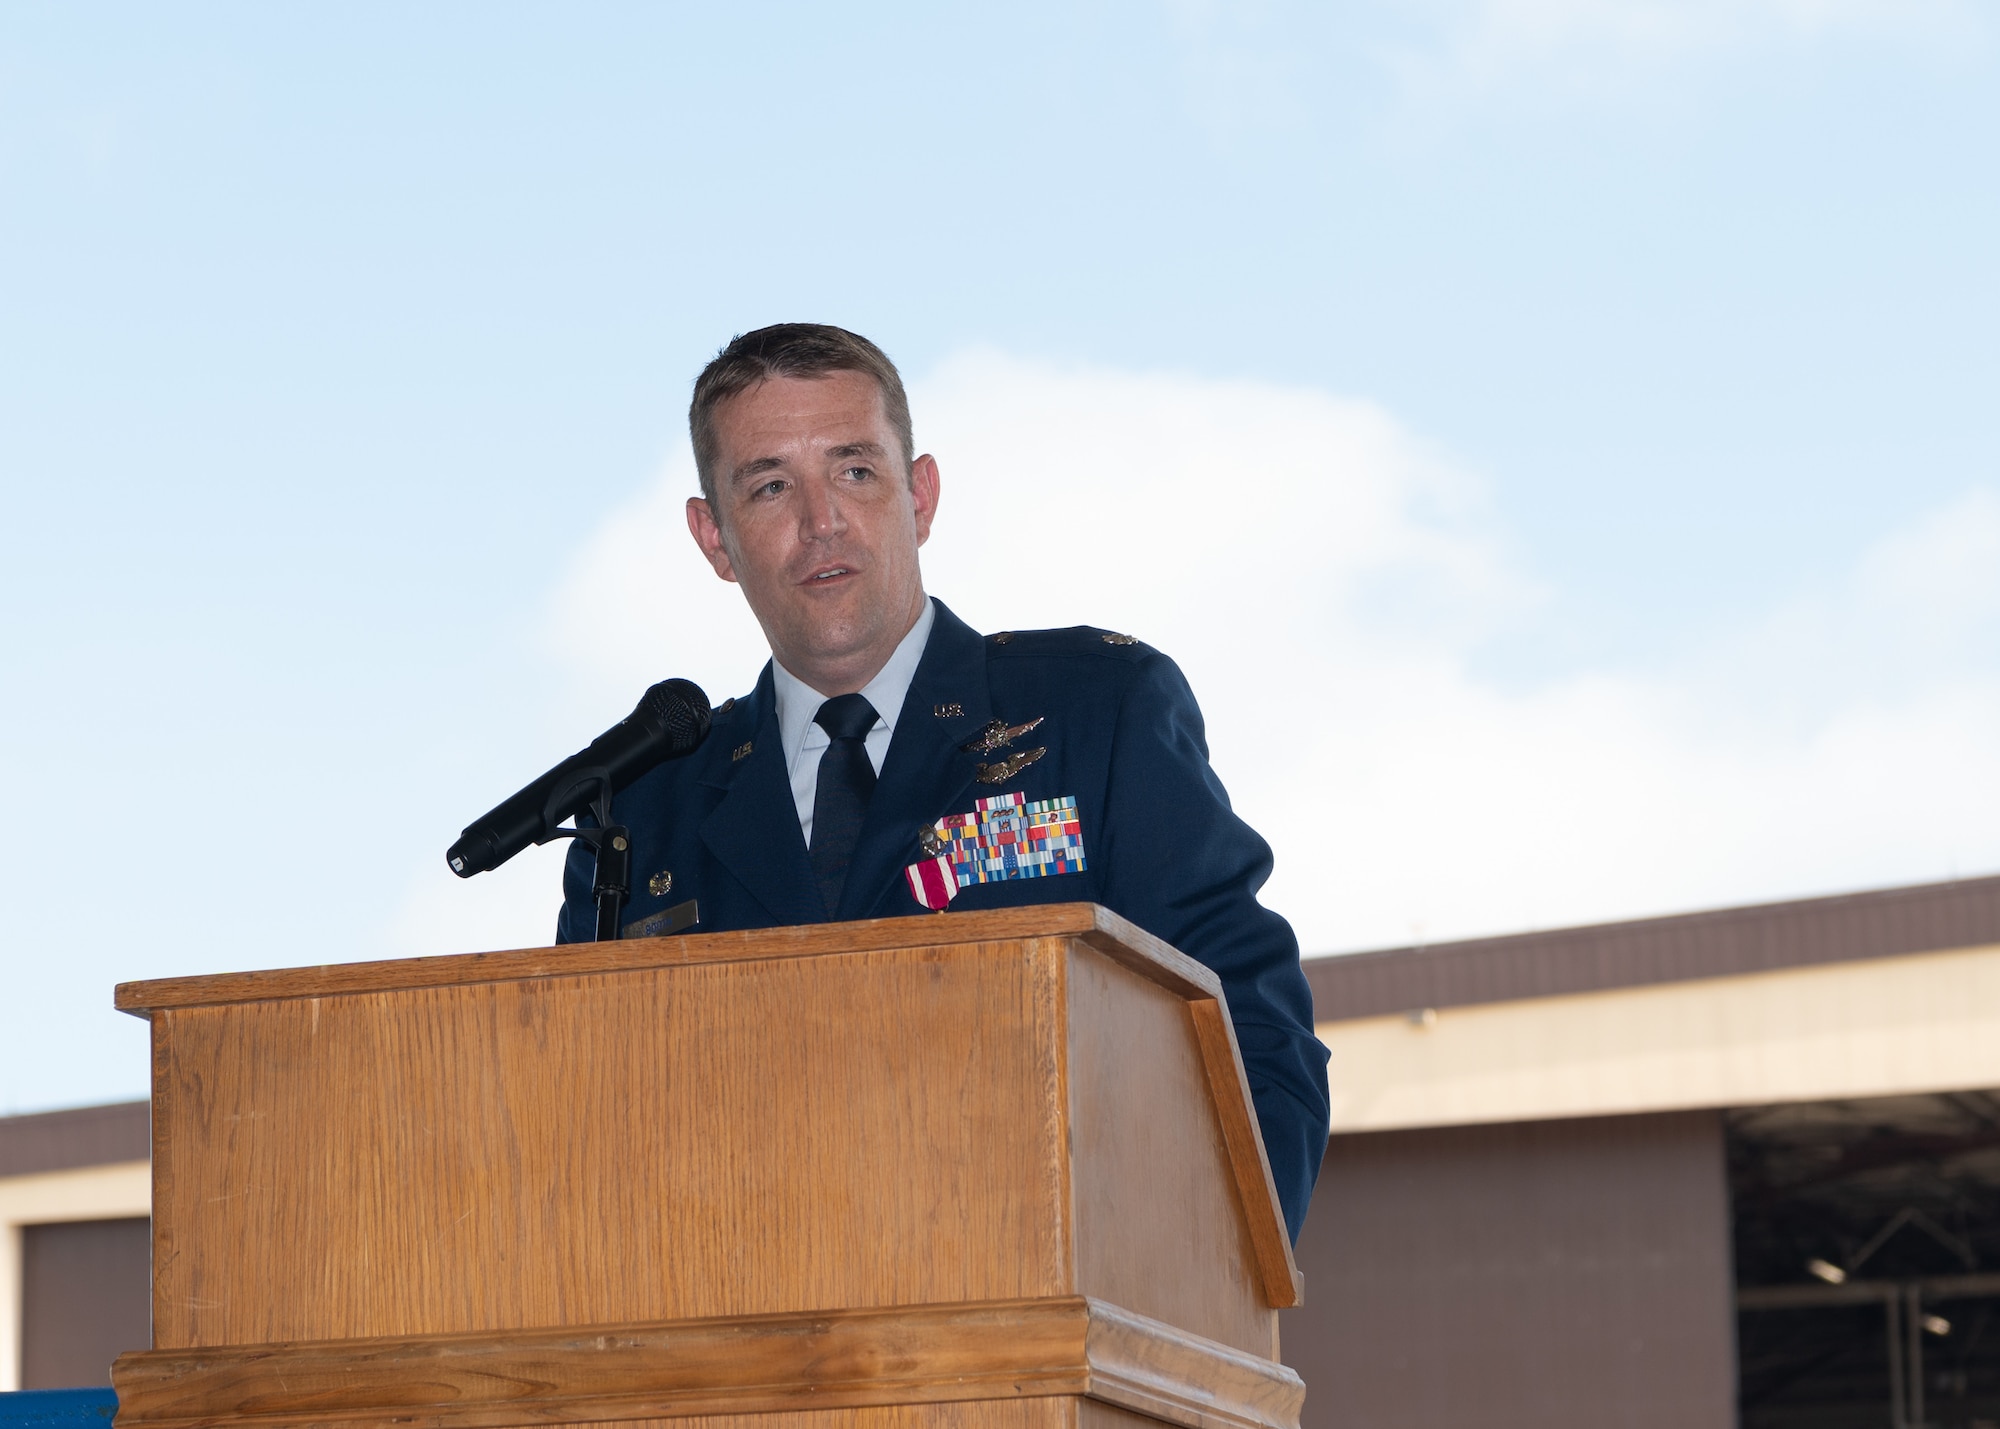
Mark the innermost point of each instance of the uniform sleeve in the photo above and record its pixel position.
(576, 921)
(1180, 864)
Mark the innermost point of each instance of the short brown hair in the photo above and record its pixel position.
(789, 350)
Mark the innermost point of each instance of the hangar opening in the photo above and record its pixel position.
(1866, 1240)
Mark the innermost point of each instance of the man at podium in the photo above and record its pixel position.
(892, 759)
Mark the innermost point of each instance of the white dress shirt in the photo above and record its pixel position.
(805, 742)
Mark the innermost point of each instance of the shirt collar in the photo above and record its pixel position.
(798, 702)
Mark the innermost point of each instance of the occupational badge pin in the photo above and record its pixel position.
(997, 734)
(931, 841)
(1007, 768)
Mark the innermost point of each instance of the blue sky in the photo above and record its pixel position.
(1539, 426)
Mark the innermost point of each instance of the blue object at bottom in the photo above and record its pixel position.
(58, 1409)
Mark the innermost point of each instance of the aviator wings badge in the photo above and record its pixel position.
(1007, 768)
(998, 734)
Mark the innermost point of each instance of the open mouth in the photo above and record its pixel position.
(831, 573)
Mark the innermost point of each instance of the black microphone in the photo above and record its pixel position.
(671, 720)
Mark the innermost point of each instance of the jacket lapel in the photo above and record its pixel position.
(926, 775)
(754, 831)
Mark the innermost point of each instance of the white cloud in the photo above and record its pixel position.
(1935, 581)
(1323, 577)
(1917, 619)
(639, 600)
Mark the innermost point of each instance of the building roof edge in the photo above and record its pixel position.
(1722, 942)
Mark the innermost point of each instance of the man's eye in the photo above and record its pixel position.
(769, 488)
(859, 473)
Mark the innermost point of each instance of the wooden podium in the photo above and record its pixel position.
(980, 1170)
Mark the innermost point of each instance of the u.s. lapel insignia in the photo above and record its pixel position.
(954, 710)
(997, 734)
(741, 751)
(1010, 766)
(661, 883)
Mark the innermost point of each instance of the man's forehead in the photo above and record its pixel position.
(783, 419)
(828, 396)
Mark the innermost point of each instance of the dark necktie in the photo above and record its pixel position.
(846, 779)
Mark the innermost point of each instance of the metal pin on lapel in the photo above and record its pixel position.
(998, 735)
(1010, 766)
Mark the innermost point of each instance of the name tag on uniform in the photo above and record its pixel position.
(664, 922)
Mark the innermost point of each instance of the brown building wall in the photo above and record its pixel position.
(87, 1297)
(1544, 1274)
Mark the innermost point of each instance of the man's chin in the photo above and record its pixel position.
(833, 629)
(830, 640)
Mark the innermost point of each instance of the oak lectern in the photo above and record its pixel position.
(992, 1170)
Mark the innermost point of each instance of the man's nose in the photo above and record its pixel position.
(820, 514)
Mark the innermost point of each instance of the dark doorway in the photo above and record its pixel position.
(1867, 1247)
(86, 1298)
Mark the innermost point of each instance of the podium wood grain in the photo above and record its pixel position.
(1037, 1107)
(1061, 1347)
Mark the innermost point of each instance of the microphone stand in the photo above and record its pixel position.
(611, 843)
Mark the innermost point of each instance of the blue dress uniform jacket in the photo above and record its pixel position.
(1123, 735)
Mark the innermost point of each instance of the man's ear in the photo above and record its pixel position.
(708, 535)
(924, 493)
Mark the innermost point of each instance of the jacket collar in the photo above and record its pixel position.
(754, 831)
(925, 774)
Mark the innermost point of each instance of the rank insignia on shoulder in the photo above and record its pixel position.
(998, 734)
(726, 706)
(950, 711)
(1003, 637)
(1112, 637)
(1003, 838)
(1007, 768)
(741, 751)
